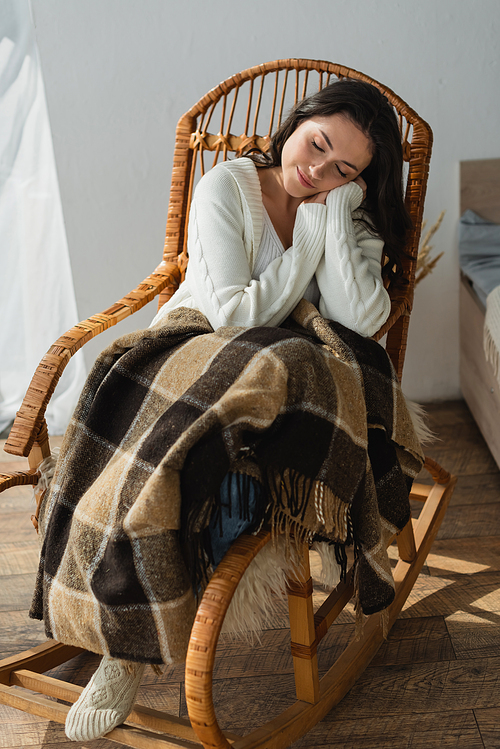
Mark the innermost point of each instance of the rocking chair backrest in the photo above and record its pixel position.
(245, 110)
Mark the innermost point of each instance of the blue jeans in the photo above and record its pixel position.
(238, 501)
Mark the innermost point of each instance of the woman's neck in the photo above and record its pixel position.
(271, 182)
(280, 206)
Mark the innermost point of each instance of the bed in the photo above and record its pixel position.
(479, 244)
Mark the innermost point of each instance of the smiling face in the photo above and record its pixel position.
(323, 153)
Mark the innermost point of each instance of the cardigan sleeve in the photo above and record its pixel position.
(349, 275)
(219, 269)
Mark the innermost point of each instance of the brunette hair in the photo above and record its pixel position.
(368, 109)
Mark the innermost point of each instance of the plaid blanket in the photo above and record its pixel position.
(310, 410)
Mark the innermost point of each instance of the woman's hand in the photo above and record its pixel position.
(360, 181)
(320, 197)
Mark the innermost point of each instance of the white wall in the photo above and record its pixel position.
(119, 73)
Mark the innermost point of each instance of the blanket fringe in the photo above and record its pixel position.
(283, 525)
(291, 493)
(290, 490)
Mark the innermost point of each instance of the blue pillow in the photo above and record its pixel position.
(479, 248)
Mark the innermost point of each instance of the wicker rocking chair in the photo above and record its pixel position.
(205, 133)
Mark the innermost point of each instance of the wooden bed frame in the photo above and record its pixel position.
(479, 191)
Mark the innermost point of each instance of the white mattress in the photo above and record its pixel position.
(479, 248)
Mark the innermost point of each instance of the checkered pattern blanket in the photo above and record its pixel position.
(310, 410)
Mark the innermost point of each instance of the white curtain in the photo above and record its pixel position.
(37, 299)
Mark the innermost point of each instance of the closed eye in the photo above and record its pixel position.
(344, 176)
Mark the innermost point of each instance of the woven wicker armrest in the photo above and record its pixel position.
(396, 327)
(400, 304)
(30, 417)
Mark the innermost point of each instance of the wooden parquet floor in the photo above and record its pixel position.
(435, 683)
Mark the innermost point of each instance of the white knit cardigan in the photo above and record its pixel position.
(224, 234)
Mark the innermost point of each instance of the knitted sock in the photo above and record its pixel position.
(106, 700)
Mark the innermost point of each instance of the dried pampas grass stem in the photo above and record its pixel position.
(425, 264)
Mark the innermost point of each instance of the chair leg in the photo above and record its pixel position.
(406, 543)
(303, 631)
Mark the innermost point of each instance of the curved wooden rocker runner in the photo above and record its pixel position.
(24, 673)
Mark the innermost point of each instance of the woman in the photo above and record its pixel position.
(266, 230)
(309, 219)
